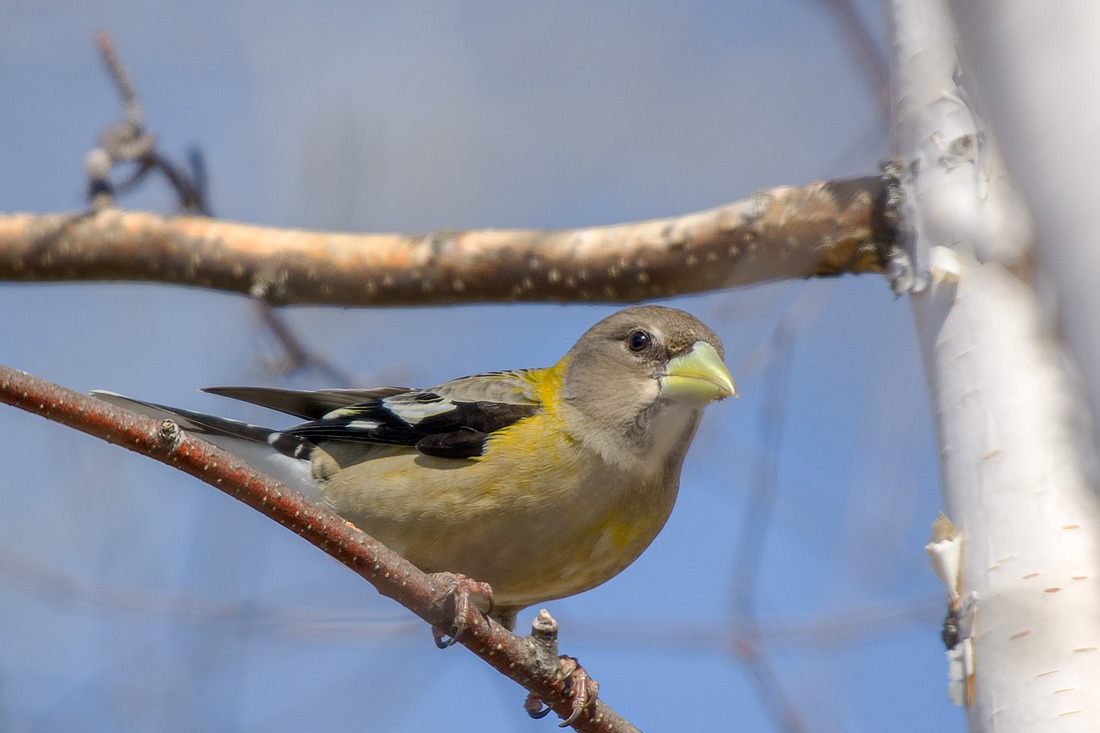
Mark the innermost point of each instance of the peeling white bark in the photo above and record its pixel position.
(1038, 67)
(1015, 437)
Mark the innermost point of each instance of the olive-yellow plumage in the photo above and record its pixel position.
(541, 482)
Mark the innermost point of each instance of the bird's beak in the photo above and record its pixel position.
(698, 377)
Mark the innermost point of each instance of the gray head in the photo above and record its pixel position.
(639, 379)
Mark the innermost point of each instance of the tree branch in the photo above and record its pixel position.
(521, 659)
(1019, 548)
(820, 229)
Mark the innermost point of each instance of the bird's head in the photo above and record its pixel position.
(643, 374)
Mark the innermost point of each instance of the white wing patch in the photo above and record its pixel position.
(341, 412)
(362, 425)
(412, 407)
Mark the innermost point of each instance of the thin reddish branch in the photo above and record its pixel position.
(393, 576)
(823, 228)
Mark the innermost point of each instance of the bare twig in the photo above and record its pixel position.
(868, 54)
(820, 229)
(390, 574)
(749, 647)
(133, 114)
(127, 141)
(297, 355)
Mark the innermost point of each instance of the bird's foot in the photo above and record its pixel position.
(578, 685)
(460, 591)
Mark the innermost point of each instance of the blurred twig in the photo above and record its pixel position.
(828, 630)
(296, 356)
(868, 55)
(749, 646)
(127, 141)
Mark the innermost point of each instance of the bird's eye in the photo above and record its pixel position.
(638, 341)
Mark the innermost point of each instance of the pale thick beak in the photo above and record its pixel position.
(697, 377)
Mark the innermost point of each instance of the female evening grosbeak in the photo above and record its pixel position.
(541, 482)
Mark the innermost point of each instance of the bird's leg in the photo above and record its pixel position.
(460, 591)
(576, 683)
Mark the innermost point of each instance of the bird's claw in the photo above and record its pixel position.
(460, 590)
(535, 707)
(578, 685)
(583, 689)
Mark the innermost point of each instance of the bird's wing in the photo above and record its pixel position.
(308, 404)
(451, 420)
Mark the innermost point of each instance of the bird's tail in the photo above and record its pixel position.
(282, 455)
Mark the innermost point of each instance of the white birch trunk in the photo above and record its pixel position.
(1016, 442)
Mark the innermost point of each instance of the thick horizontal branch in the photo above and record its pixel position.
(393, 576)
(823, 228)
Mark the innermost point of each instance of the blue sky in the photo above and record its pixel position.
(134, 598)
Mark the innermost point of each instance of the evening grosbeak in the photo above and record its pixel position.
(541, 482)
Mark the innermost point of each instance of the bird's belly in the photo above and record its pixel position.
(543, 529)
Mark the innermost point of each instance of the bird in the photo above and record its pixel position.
(542, 483)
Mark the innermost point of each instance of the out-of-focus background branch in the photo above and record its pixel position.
(825, 228)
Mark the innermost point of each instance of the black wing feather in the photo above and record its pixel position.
(457, 430)
(308, 404)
